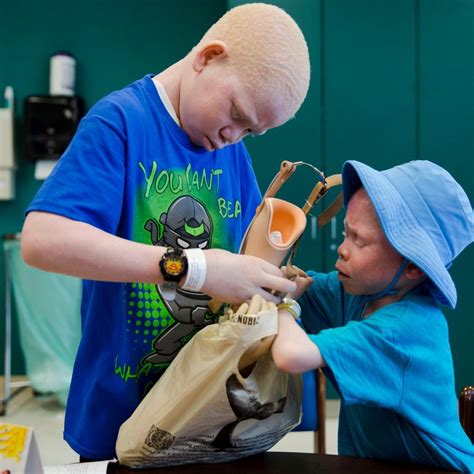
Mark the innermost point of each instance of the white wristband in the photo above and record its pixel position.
(196, 270)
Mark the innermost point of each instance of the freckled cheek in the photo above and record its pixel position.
(382, 272)
(365, 265)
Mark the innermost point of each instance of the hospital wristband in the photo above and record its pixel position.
(196, 270)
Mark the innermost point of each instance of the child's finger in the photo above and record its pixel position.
(243, 308)
(302, 283)
(299, 272)
(255, 304)
(290, 272)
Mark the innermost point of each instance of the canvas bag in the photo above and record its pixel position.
(203, 410)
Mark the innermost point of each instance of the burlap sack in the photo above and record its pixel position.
(204, 410)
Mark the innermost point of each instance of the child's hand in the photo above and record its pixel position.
(254, 306)
(302, 280)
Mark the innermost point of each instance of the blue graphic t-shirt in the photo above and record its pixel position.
(133, 172)
(394, 372)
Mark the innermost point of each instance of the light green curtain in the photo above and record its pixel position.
(48, 311)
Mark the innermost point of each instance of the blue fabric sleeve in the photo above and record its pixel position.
(366, 360)
(325, 305)
(87, 184)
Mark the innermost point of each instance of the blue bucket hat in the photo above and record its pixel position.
(425, 215)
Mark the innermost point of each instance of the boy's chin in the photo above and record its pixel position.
(206, 143)
(203, 142)
(350, 290)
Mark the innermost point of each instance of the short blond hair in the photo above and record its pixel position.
(267, 48)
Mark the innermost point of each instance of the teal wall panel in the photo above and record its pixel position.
(446, 136)
(369, 85)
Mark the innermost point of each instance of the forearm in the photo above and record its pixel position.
(57, 244)
(292, 350)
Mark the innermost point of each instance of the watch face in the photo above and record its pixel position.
(173, 265)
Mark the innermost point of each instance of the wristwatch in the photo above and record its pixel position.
(173, 266)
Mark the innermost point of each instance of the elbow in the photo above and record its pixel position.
(286, 359)
(31, 244)
(28, 248)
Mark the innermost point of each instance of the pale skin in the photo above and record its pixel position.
(215, 109)
(366, 265)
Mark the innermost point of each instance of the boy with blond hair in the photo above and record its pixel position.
(161, 162)
(376, 324)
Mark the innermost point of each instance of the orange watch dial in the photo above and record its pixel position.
(173, 266)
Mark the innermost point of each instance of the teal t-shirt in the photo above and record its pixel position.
(394, 372)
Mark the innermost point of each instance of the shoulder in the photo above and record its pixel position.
(414, 308)
(415, 318)
(135, 94)
(124, 105)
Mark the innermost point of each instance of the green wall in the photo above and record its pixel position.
(391, 81)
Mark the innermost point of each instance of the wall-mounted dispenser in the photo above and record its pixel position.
(50, 124)
(7, 154)
(52, 120)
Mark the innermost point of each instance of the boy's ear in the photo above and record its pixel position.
(206, 52)
(412, 272)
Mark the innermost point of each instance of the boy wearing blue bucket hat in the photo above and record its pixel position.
(376, 324)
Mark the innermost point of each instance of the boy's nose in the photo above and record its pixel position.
(230, 134)
(342, 251)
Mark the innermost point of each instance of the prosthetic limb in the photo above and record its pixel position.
(276, 229)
